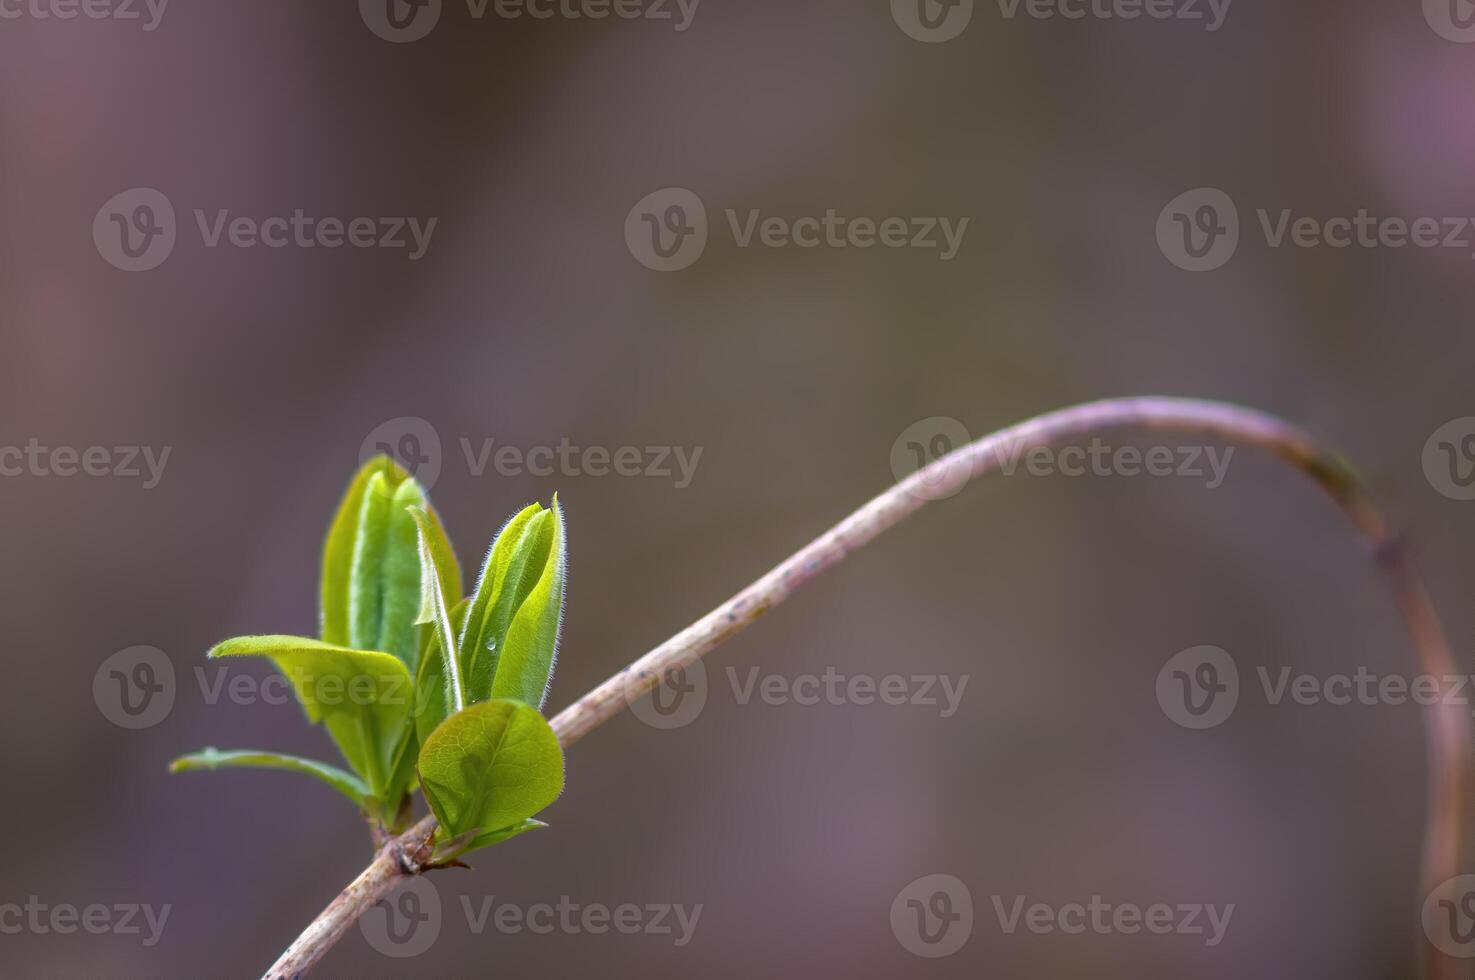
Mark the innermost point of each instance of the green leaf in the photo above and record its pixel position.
(370, 590)
(363, 697)
(433, 611)
(339, 549)
(509, 573)
(211, 759)
(473, 840)
(490, 767)
(525, 667)
(366, 585)
(433, 699)
(510, 640)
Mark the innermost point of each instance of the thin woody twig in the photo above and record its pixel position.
(1447, 728)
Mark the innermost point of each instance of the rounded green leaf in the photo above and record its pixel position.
(490, 767)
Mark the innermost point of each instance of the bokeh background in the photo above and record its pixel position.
(529, 321)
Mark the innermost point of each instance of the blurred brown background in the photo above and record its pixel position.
(529, 321)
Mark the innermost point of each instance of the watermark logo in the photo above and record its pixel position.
(403, 21)
(144, 463)
(675, 702)
(923, 443)
(935, 21)
(149, 12)
(1199, 688)
(682, 692)
(666, 231)
(940, 692)
(400, 21)
(416, 445)
(410, 441)
(933, 916)
(1449, 917)
(405, 923)
(135, 230)
(1104, 918)
(1453, 20)
(135, 688)
(408, 922)
(570, 918)
(123, 919)
(1198, 231)
(932, 21)
(1449, 459)
(1211, 12)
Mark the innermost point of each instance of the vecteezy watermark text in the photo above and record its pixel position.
(836, 689)
(136, 688)
(932, 917)
(668, 231)
(417, 446)
(1200, 688)
(931, 439)
(409, 921)
(1200, 230)
(150, 13)
(136, 230)
(935, 21)
(64, 918)
(145, 463)
(677, 697)
(403, 21)
(570, 918)
(567, 459)
(1104, 918)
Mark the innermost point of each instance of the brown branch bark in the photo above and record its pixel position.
(1447, 727)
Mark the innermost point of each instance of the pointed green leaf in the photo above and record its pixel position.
(371, 564)
(434, 612)
(363, 697)
(525, 667)
(490, 767)
(339, 549)
(433, 699)
(366, 576)
(211, 759)
(512, 570)
(399, 575)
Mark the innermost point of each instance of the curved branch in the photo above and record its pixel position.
(1447, 728)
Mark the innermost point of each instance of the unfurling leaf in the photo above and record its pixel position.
(363, 697)
(435, 613)
(433, 699)
(525, 667)
(488, 769)
(370, 591)
(510, 639)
